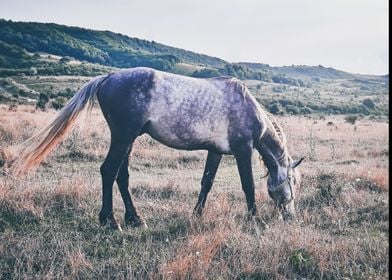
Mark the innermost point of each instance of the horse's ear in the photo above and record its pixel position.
(296, 163)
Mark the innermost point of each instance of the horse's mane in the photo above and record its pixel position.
(275, 131)
(233, 84)
(277, 128)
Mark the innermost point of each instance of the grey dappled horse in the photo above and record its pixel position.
(217, 114)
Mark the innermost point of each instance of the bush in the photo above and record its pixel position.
(42, 101)
(369, 103)
(363, 109)
(278, 89)
(275, 108)
(59, 103)
(351, 119)
(205, 73)
(292, 109)
(32, 71)
(65, 59)
(286, 102)
(316, 79)
(305, 110)
(22, 92)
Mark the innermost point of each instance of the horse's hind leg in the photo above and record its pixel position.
(131, 216)
(119, 148)
(210, 169)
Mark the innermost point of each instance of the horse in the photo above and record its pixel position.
(215, 114)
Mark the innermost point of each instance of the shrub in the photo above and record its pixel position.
(286, 102)
(275, 108)
(305, 110)
(351, 119)
(369, 103)
(33, 71)
(292, 109)
(363, 109)
(65, 59)
(278, 89)
(21, 92)
(205, 73)
(59, 103)
(42, 101)
(316, 79)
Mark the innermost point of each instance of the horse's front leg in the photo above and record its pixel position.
(210, 169)
(243, 156)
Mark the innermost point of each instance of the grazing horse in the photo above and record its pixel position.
(216, 114)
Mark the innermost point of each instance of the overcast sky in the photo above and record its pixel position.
(350, 35)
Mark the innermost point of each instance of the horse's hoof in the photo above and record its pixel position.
(197, 214)
(198, 211)
(250, 216)
(260, 221)
(116, 226)
(113, 225)
(136, 222)
(110, 223)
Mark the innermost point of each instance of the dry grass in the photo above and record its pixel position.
(49, 226)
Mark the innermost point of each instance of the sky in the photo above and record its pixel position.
(349, 35)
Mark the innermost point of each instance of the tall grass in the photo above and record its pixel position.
(49, 220)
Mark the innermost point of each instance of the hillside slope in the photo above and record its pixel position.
(44, 63)
(103, 47)
(21, 42)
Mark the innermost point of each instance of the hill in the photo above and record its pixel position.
(103, 47)
(22, 42)
(30, 51)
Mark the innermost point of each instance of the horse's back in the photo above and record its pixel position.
(181, 112)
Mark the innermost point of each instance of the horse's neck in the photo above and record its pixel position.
(275, 155)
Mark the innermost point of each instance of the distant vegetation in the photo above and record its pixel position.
(31, 51)
(22, 41)
(102, 47)
(233, 69)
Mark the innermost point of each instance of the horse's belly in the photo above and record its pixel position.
(193, 136)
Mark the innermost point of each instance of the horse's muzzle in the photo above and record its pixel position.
(288, 211)
(283, 197)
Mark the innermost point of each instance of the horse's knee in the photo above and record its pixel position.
(107, 170)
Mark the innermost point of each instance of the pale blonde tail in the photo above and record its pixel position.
(35, 149)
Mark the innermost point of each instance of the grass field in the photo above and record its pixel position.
(49, 220)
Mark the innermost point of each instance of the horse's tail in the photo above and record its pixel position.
(35, 149)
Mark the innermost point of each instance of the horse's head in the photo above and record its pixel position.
(284, 193)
